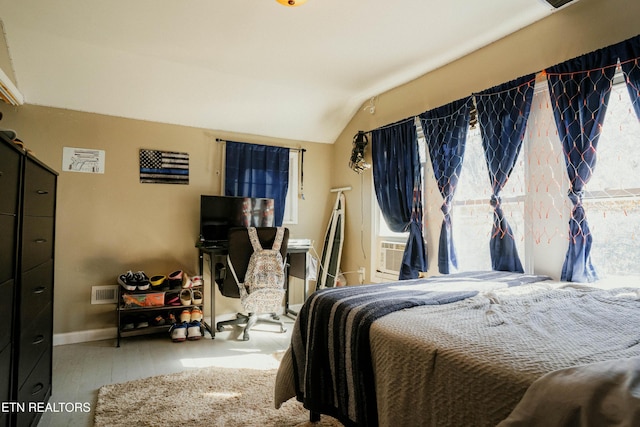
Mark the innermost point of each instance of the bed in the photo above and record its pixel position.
(469, 349)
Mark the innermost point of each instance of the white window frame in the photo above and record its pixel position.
(291, 201)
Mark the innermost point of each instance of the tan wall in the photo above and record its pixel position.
(110, 223)
(575, 30)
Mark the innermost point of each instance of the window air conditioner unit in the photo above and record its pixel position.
(9, 93)
(390, 258)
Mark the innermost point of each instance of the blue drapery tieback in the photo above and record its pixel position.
(445, 131)
(398, 183)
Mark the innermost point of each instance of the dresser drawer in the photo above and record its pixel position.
(36, 388)
(39, 190)
(36, 292)
(7, 246)
(34, 342)
(9, 179)
(6, 307)
(37, 241)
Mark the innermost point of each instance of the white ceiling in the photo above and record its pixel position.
(247, 66)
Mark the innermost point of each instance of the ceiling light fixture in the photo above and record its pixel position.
(291, 3)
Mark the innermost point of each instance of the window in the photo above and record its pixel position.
(535, 199)
(472, 212)
(612, 197)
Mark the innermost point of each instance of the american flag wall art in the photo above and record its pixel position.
(164, 167)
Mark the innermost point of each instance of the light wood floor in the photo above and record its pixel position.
(79, 370)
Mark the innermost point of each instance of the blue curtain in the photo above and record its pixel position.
(579, 90)
(445, 130)
(502, 113)
(258, 171)
(398, 185)
(629, 54)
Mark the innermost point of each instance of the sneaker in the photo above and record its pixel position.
(194, 331)
(142, 322)
(185, 316)
(157, 281)
(171, 319)
(175, 279)
(186, 281)
(141, 280)
(178, 332)
(197, 281)
(127, 324)
(127, 281)
(196, 314)
(158, 320)
(196, 297)
(185, 297)
(172, 298)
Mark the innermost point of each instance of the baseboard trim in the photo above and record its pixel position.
(92, 335)
(85, 336)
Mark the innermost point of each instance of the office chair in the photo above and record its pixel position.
(263, 301)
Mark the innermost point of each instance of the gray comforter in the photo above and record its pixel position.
(469, 363)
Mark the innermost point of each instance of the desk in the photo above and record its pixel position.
(296, 258)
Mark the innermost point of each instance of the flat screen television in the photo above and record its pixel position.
(220, 213)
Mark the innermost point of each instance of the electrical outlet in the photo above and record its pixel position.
(361, 274)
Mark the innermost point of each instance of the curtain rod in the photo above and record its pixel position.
(302, 150)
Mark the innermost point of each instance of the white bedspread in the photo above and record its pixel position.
(469, 363)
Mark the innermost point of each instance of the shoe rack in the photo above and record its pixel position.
(156, 309)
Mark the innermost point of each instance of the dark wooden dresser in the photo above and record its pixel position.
(27, 241)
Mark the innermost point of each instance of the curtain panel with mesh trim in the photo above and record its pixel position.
(398, 185)
(502, 114)
(628, 53)
(579, 91)
(253, 170)
(445, 131)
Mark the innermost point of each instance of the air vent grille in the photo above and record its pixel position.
(104, 294)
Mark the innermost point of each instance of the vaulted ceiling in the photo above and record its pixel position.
(248, 66)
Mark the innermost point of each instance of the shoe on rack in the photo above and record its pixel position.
(127, 281)
(194, 332)
(185, 297)
(175, 279)
(197, 281)
(196, 314)
(171, 319)
(186, 281)
(127, 324)
(159, 320)
(142, 322)
(157, 282)
(196, 297)
(185, 316)
(172, 298)
(178, 332)
(142, 281)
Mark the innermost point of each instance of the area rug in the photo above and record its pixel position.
(210, 396)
